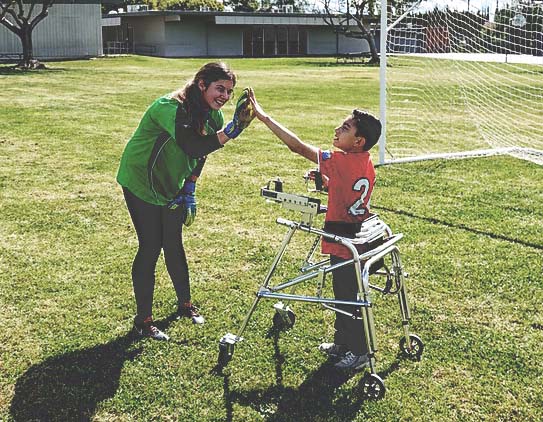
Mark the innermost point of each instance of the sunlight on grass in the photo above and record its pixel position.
(472, 247)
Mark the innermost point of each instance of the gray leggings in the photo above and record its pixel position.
(157, 228)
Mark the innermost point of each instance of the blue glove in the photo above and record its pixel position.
(243, 116)
(187, 199)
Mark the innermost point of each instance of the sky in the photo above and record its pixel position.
(474, 5)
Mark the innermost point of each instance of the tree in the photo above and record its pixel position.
(354, 22)
(298, 6)
(357, 13)
(181, 4)
(243, 5)
(21, 19)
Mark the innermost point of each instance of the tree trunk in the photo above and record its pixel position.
(28, 61)
(26, 40)
(373, 49)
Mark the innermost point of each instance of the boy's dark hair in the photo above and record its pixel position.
(367, 126)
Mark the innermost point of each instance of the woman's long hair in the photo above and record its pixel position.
(191, 95)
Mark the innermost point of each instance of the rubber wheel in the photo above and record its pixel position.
(415, 347)
(373, 387)
(284, 323)
(225, 353)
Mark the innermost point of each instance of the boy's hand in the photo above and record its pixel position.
(243, 116)
(259, 112)
(321, 181)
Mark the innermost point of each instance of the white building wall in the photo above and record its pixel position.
(186, 38)
(149, 34)
(352, 45)
(321, 40)
(69, 31)
(225, 40)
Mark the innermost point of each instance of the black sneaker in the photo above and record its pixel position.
(148, 329)
(353, 362)
(188, 310)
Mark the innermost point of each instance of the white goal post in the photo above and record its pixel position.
(461, 78)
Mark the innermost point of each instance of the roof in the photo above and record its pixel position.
(238, 18)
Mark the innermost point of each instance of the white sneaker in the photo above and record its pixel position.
(352, 361)
(188, 310)
(148, 329)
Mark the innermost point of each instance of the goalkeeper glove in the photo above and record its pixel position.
(187, 199)
(243, 115)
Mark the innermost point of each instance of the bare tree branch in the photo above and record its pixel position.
(21, 22)
(46, 4)
(355, 15)
(4, 7)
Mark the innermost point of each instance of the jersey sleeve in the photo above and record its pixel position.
(169, 115)
(193, 144)
(325, 162)
(214, 124)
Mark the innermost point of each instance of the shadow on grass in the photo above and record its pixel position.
(319, 397)
(461, 226)
(12, 71)
(70, 386)
(334, 63)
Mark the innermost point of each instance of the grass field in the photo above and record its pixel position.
(473, 248)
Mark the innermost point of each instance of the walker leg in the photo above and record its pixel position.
(248, 316)
(410, 344)
(367, 313)
(228, 341)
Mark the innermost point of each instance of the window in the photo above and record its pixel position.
(282, 41)
(269, 41)
(272, 41)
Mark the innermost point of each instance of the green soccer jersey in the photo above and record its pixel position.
(164, 150)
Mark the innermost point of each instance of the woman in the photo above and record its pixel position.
(158, 171)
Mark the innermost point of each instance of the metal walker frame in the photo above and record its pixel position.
(373, 230)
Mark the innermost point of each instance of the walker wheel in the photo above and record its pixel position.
(284, 320)
(415, 347)
(373, 387)
(225, 353)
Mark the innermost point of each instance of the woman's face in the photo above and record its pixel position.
(217, 93)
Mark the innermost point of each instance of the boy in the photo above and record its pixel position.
(351, 176)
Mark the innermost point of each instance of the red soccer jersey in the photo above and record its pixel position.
(351, 179)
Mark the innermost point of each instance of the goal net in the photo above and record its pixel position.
(464, 78)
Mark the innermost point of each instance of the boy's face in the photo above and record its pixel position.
(345, 136)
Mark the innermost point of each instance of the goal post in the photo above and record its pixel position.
(461, 80)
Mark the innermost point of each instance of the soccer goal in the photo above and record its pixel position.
(462, 78)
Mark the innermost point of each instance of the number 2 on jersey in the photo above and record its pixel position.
(361, 185)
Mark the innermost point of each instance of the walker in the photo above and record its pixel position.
(382, 259)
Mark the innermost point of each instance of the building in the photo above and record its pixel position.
(76, 29)
(224, 34)
(72, 29)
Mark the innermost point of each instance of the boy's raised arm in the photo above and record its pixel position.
(289, 138)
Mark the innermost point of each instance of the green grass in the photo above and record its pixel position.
(472, 247)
